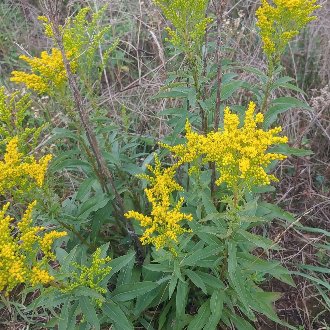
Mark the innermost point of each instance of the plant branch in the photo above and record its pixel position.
(220, 7)
(51, 10)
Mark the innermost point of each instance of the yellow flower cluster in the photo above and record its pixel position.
(47, 72)
(19, 172)
(40, 276)
(188, 19)
(90, 276)
(81, 36)
(280, 23)
(163, 225)
(20, 247)
(240, 153)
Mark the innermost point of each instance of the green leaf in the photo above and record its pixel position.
(68, 316)
(313, 279)
(289, 151)
(293, 88)
(179, 126)
(257, 240)
(216, 307)
(172, 285)
(284, 82)
(237, 279)
(274, 211)
(199, 320)
(89, 312)
(196, 279)
(208, 204)
(316, 269)
(163, 315)
(263, 77)
(85, 188)
(158, 268)
(280, 105)
(181, 299)
(324, 296)
(240, 323)
(252, 263)
(92, 205)
(83, 291)
(132, 169)
(211, 281)
(315, 230)
(63, 133)
(228, 89)
(177, 270)
(173, 112)
(195, 257)
(120, 262)
(127, 292)
(117, 316)
(177, 92)
(68, 164)
(144, 301)
(263, 302)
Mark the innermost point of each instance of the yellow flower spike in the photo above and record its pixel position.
(90, 276)
(47, 241)
(20, 247)
(280, 22)
(239, 153)
(19, 171)
(188, 20)
(162, 226)
(47, 72)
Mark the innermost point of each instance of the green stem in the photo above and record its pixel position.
(268, 86)
(77, 233)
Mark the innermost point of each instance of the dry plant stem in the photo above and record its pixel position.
(219, 8)
(105, 174)
(104, 69)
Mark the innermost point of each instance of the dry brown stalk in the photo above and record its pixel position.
(106, 176)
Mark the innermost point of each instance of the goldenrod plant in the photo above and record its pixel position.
(82, 44)
(91, 276)
(241, 152)
(279, 21)
(161, 232)
(25, 248)
(189, 24)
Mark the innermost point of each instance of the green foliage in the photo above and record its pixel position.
(189, 22)
(215, 273)
(16, 120)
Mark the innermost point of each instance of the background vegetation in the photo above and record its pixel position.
(121, 81)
